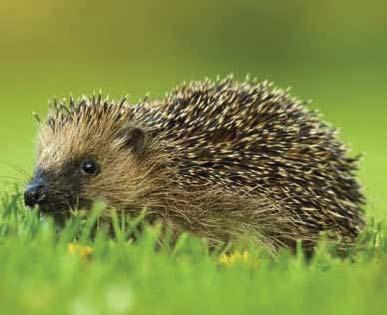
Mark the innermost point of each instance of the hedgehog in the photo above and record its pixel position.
(224, 160)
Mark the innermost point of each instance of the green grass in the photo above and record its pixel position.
(39, 275)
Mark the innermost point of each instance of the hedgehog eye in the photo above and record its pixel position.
(89, 167)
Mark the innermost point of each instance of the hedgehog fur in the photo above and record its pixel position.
(223, 160)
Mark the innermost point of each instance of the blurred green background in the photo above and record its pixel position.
(333, 52)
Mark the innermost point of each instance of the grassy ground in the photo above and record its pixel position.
(40, 273)
(45, 272)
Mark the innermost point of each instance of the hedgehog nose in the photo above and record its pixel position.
(35, 194)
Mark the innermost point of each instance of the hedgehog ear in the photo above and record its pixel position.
(134, 139)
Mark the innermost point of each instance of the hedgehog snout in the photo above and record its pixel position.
(36, 193)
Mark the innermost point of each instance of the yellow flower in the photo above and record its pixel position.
(239, 258)
(82, 251)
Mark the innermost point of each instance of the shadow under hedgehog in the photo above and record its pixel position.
(223, 160)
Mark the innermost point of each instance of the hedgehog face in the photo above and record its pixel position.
(61, 187)
(79, 163)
